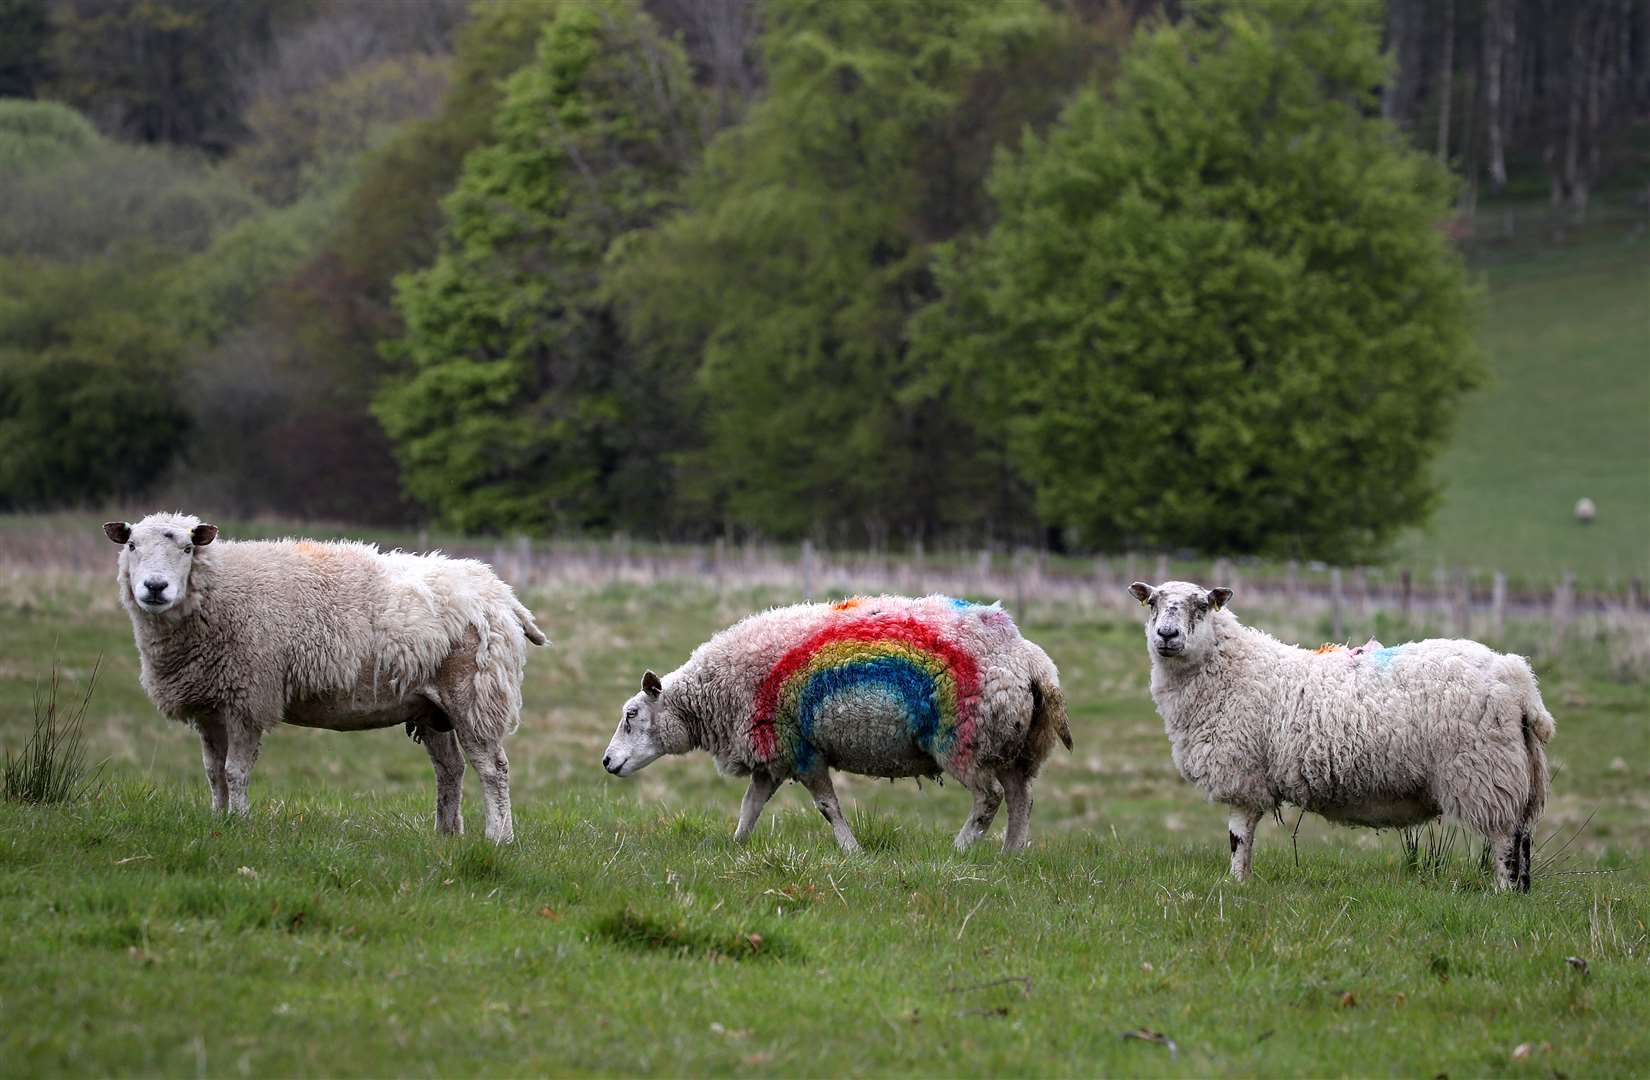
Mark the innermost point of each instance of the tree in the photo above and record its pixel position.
(89, 398)
(1216, 310)
(40, 135)
(521, 407)
(805, 247)
(162, 70)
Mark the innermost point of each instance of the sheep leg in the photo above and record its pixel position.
(1506, 857)
(987, 796)
(1017, 793)
(487, 758)
(757, 795)
(1240, 830)
(442, 746)
(214, 748)
(1522, 836)
(243, 740)
(824, 793)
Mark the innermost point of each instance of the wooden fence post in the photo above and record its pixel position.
(1292, 582)
(807, 570)
(1405, 586)
(1498, 605)
(1563, 607)
(1337, 622)
(1162, 569)
(1462, 606)
(523, 560)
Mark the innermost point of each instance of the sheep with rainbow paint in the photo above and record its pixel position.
(882, 686)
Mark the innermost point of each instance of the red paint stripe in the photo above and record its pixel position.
(905, 629)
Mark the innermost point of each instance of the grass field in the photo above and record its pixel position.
(1565, 415)
(334, 933)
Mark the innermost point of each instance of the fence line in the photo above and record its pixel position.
(1024, 577)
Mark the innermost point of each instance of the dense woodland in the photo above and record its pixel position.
(1106, 273)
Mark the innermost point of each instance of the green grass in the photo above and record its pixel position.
(1566, 415)
(334, 933)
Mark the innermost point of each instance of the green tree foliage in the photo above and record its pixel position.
(806, 245)
(298, 143)
(99, 197)
(522, 407)
(1216, 311)
(89, 393)
(38, 135)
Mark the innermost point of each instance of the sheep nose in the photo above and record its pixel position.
(1168, 633)
(156, 586)
(607, 761)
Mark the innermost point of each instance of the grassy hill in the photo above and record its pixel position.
(1566, 415)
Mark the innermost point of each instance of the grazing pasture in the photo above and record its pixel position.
(1565, 415)
(335, 932)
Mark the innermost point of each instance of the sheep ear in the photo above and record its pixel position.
(1219, 597)
(118, 531)
(651, 686)
(1142, 592)
(201, 535)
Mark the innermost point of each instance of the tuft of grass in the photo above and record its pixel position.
(1430, 848)
(52, 767)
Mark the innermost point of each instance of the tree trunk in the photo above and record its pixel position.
(1574, 187)
(1498, 42)
(1446, 75)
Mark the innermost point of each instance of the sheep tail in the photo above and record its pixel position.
(1538, 726)
(528, 626)
(1048, 701)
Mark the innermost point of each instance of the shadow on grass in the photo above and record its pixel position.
(641, 932)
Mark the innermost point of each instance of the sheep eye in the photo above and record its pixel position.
(187, 548)
(130, 546)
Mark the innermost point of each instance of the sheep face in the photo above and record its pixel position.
(1178, 629)
(639, 739)
(156, 556)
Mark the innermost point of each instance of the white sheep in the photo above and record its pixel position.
(235, 638)
(1383, 737)
(882, 686)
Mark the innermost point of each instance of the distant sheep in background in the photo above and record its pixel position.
(236, 638)
(882, 686)
(1383, 737)
(1585, 510)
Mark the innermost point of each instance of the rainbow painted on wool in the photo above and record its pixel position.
(904, 656)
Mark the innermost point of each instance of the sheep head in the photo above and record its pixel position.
(156, 556)
(1179, 626)
(648, 730)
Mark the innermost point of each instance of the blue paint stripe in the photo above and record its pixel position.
(909, 685)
